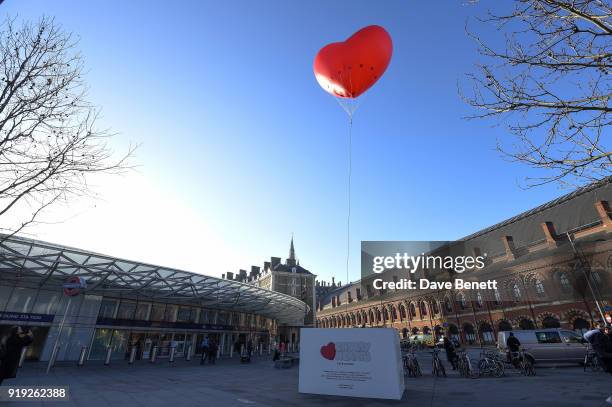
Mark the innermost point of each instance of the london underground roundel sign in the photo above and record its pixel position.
(74, 285)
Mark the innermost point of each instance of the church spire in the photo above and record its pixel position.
(292, 250)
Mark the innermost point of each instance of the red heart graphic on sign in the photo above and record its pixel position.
(329, 351)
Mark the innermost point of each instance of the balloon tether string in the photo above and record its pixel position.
(348, 216)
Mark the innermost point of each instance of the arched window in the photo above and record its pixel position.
(386, 314)
(470, 335)
(550, 322)
(434, 307)
(479, 299)
(539, 288)
(565, 283)
(516, 291)
(497, 296)
(402, 312)
(526, 323)
(412, 310)
(447, 305)
(580, 325)
(422, 308)
(461, 299)
(504, 326)
(596, 277)
(394, 313)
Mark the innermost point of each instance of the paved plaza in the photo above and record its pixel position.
(229, 383)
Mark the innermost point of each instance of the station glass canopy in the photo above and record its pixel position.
(39, 264)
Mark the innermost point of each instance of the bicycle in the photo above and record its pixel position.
(489, 364)
(591, 360)
(464, 364)
(521, 362)
(437, 368)
(411, 364)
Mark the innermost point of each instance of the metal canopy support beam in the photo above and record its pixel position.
(112, 276)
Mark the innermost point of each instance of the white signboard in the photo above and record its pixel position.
(357, 362)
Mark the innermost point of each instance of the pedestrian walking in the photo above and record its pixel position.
(601, 343)
(10, 351)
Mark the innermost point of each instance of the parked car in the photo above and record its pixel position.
(551, 345)
(423, 339)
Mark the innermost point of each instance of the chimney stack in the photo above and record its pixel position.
(509, 246)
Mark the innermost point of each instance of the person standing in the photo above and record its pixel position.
(212, 352)
(205, 349)
(513, 345)
(10, 351)
(451, 355)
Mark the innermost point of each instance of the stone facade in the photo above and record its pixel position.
(543, 279)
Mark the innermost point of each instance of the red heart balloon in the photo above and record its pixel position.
(347, 69)
(329, 351)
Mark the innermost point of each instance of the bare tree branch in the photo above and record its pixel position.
(49, 141)
(551, 86)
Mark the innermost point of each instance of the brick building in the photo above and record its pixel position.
(287, 278)
(543, 260)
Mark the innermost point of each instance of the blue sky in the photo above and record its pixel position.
(240, 147)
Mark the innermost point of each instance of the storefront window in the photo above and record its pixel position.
(46, 302)
(126, 310)
(119, 344)
(157, 312)
(142, 311)
(102, 338)
(170, 315)
(5, 293)
(184, 314)
(107, 308)
(222, 318)
(22, 300)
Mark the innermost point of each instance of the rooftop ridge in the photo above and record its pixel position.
(550, 204)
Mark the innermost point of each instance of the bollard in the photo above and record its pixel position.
(260, 349)
(153, 354)
(269, 349)
(231, 352)
(132, 355)
(52, 358)
(82, 356)
(172, 350)
(188, 354)
(109, 353)
(218, 353)
(241, 350)
(22, 356)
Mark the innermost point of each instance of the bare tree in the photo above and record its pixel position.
(49, 143)
(550, 83)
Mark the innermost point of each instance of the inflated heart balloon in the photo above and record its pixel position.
(347, 69)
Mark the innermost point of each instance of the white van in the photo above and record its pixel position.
(552, 345)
